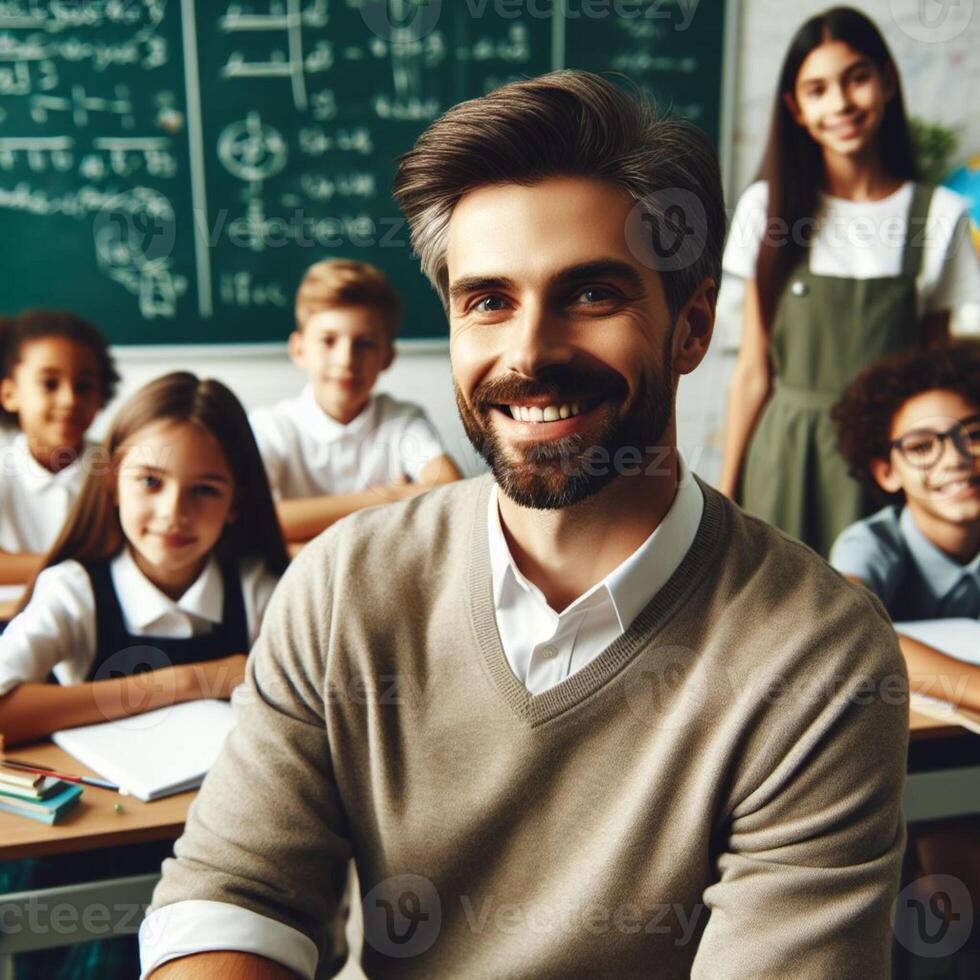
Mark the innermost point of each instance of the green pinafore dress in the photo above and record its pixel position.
(826, 329)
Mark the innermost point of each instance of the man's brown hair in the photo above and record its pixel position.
(566, 124)
(336, 283)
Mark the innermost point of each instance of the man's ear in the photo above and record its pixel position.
(789, 99)
(885, 476)
(693, 328)
(296, 348)
(8, 395)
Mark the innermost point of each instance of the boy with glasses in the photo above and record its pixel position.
(912, 425)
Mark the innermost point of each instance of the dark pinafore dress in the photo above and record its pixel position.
(119, 653)
(826, 330)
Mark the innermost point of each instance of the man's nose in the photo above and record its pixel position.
(538, 338)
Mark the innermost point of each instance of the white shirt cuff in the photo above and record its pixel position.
(195, 926)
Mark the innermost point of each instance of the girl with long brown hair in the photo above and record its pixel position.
(844, 258)
(165, 563)
(152, 594)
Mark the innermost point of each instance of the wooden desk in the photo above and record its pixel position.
(93, 822)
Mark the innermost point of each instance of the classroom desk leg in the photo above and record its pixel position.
(34, 920)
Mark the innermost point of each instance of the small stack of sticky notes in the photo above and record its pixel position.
(42, 798)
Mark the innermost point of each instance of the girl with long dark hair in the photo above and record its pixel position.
(844, 258)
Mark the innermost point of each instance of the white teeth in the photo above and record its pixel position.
(550, 413)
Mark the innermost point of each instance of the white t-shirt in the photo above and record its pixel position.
(34, 502)
(860, 240)
(57, 630)
(307, 453)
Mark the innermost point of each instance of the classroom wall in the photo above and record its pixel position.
(931, 72)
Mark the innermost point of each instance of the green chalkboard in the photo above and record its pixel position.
(169, 168)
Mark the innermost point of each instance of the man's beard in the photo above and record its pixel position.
(557, 474)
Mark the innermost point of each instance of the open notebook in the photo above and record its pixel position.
(157, 753)
(959, 638)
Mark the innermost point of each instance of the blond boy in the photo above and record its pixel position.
(337, 447)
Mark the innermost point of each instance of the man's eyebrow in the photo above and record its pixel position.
(572, 276)
(473, 284)
(600, 269)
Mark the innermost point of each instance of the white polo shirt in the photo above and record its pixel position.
(34, 502)
(57, 630)
(307, 453)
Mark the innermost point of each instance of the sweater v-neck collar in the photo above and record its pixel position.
(535, 709)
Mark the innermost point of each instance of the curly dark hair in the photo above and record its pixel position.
(864, 414)
(17, 331)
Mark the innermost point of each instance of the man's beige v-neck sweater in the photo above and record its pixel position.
(717, 794)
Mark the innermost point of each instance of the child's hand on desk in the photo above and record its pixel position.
(216, 678)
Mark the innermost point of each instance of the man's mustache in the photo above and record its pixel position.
(557, 384)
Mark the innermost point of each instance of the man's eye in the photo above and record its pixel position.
(489, 304)
(593, 296)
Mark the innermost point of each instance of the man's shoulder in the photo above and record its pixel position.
(425, 532)
(798, 598)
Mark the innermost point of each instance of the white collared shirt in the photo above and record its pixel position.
(544, 647)
(528, 627)
(34, 502)
(57, 630)
(307, 453)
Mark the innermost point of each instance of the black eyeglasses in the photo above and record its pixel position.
(923, 448)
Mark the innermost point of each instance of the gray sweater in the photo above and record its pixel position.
(717, 794)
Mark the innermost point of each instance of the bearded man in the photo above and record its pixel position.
(579, 717)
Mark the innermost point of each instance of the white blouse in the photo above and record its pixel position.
(860, 240)
(57, 629)
(34, 502)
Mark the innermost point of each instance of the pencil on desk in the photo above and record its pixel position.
(45, 771)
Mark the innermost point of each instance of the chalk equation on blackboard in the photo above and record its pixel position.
(186, 159)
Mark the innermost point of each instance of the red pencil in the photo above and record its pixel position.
(45, 771)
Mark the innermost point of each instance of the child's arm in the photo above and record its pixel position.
(305, 517)
(749, 390)
(938, 675)
(934, 673)
(16, 568)
(31, 710)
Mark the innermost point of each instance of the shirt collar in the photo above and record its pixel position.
(632, 584)
(940, 572)
(323, 426)
(142, 603)
(34, 476)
